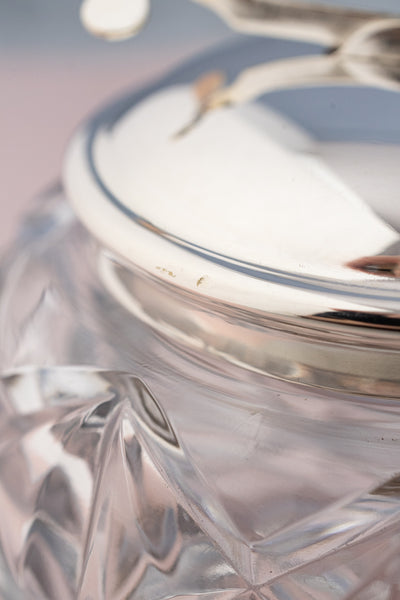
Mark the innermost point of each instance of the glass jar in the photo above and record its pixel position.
(200, 339)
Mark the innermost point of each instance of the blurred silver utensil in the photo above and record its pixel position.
(369, 56)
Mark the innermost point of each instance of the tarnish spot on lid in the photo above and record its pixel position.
(166, 271)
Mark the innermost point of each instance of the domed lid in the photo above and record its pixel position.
(263, 178)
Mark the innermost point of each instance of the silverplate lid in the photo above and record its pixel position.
(279, 213)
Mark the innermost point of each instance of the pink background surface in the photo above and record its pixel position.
(53, 74)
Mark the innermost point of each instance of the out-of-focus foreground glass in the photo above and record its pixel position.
(200, 345)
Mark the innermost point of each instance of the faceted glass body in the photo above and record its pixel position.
(169, 474)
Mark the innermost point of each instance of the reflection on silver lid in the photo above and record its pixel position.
(280, 211)
(248, 203)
